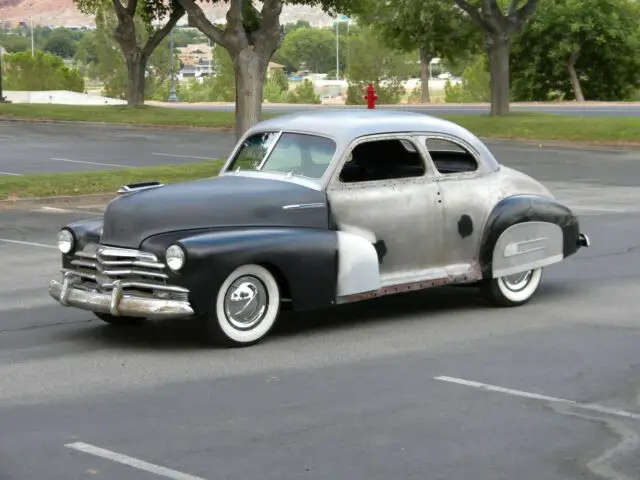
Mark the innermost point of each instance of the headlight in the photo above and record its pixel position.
(175, 257)
(65, 241)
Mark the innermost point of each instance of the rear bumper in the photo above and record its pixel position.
(116, 302)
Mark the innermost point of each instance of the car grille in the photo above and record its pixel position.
(139, 273)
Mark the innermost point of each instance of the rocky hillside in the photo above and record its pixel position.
(64, 13)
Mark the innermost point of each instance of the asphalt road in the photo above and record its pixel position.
(40, 147)
(32, 148)
(376, 390)
(588, 110)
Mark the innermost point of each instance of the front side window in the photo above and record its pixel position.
(295, 153)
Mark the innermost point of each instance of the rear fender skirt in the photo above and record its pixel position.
(527, 231)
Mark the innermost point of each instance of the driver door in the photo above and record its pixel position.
(383, 190)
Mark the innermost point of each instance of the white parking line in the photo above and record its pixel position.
(181, 156)
(10, 174)
(89, 163)
(131, 462)
(519, 393)
(29, 244)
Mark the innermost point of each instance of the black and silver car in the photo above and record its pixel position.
(312, 210)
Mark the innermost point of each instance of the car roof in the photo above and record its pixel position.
(346, 124)
(341, 123)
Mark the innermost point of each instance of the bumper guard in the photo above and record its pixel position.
(116, 302)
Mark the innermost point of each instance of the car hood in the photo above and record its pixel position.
(219, 202)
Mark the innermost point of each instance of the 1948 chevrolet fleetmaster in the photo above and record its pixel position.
(316, 209)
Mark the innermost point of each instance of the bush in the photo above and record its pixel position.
(475, 86)
(43, 71)
(303, 93)
(389, 93)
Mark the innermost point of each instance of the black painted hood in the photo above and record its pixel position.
(226, 201)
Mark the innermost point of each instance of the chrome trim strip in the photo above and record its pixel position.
(123, 283)
(126, 252)
(303, 206)
(116, 303)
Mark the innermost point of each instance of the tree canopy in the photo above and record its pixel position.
(577, 49)
(435, 28)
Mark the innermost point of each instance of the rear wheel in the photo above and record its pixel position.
(246, 307)
(120, 321)
(512, 290)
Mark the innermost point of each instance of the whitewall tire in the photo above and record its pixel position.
(513, 290)
(246, 307)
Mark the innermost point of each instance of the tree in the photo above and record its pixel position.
(110, 64)
(313, 47)
(434, 27)
(251, 37)
(137, 46)
(499, 28)
(578, 49)
(373, 61)
(61, 43)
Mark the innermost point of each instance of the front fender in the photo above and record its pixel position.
(304, 260)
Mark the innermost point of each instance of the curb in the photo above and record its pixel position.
(146, 126)
(94, 200)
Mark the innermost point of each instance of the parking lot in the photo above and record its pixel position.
(431, 385)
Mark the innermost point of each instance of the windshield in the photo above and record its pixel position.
(295, 153)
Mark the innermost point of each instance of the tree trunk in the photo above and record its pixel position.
(575, 81)
(250, 72)
(425, 60)
(136, 65)
(498, 49)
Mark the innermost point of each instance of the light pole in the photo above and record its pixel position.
(172, 88)
(33, 52)
(2, 99)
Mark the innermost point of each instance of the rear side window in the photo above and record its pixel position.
(450, 157)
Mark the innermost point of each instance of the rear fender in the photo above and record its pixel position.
(524, 232)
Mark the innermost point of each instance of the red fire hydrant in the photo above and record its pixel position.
(371, 96)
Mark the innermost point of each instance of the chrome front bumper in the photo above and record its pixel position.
(116, 302)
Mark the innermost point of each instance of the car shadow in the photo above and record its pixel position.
(183, 334)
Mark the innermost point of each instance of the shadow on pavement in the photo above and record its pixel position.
(181, 335)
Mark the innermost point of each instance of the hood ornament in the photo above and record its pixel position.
(137, 187)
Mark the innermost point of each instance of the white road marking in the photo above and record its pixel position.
(89, 163)
(30, 244)
(11, 174)
(130, 461)
(65, 210)
(519, 393)
(181, 156)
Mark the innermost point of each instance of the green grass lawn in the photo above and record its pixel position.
(160, 116)
(101, 181)
(539, 126)
(524, 126)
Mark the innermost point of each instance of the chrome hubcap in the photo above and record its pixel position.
(517, 281)
(245, 302)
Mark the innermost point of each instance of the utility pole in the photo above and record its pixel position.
(172, 89)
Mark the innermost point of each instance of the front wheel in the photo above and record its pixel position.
(246, 307)
(512, 290)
